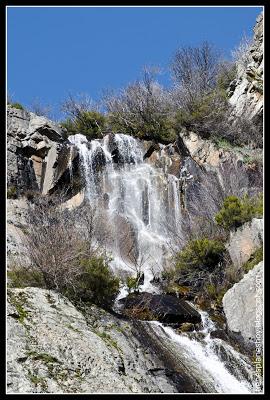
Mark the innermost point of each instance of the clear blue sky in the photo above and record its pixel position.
(53, 51)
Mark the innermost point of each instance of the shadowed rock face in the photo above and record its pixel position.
(164, 308)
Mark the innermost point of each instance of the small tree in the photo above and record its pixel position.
(194, 71)
(198, 263)
(226, 73)
(96, 282)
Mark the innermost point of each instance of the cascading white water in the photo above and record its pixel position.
(138, 193)
(201, 356)
(144, 201)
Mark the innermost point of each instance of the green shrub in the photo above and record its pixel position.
(17, 105)
(20, 277)
(254, 259)
(157, 127)
(200, 254)
(258, 205)
(206, 114)
(133, 282)
(95, 283)
(235, 212)
(88, 123)
(12, 192)
(216, 292)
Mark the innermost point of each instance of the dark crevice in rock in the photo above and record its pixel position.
(152, 148)
(181, 147)
(171, 367)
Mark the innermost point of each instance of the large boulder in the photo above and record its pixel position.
(54, 348)
(245, 241)
(163, 308)
(243, 306)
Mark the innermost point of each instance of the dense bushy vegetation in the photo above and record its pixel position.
(200, 254)
(96, 283)
(12, 192)
(198, 264)
(235, 212)
(142, 110)
(203, 267)
(83, 117)
(88, 123)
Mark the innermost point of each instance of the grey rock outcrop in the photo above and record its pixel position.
(246, 90)
(15, 230)
(243, 305)
(37, 155)
(245, 241)
(54, 348)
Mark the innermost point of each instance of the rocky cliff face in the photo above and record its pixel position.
(37, 155)
(246, 90)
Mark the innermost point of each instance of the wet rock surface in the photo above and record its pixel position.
(164, 308)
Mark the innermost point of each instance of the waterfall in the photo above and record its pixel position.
(143, 209)
(138, 194)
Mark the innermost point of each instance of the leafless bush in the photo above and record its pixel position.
(42, 110)
(10, 98)
(194, 71)
(204, 197)
(246, 131)
(241, 53)
(75, 105)
(57, 239)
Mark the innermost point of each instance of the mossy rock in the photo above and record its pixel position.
(186, 327)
